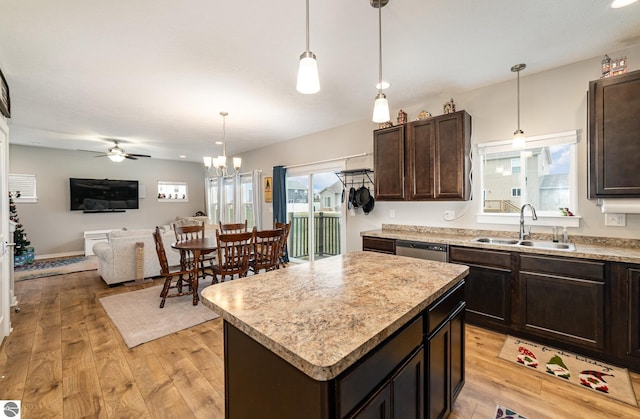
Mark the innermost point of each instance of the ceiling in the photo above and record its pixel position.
(155, 74)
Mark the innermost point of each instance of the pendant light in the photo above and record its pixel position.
(518, 135)
(308, 79)
(381, 105)
(219, 164)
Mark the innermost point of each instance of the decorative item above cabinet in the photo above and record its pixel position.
(424, 160)
(614, 126)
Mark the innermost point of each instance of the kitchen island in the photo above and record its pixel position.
(345, 336)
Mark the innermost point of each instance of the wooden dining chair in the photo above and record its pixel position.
(266, 250)
(189, 232)
(234, 251)
(185, 278)
(233, 227)
(286, 228)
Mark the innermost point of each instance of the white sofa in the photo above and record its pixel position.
(117, 257)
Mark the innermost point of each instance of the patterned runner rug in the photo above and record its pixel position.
(576, 369)
(51, 267)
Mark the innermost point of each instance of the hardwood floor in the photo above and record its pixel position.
(65, 358)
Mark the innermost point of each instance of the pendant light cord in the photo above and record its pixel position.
(379, 45)
(307, 25)
(518, 87)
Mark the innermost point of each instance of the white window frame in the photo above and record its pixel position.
(545, 218)
(27, 185)
(166, 185)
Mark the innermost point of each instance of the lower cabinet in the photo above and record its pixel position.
(563, 299)
(379, 244)
(625, 336)
(489, 285)
(445, 349)
(403, 395)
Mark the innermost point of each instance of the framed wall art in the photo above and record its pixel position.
(5, 101)
(268, 189)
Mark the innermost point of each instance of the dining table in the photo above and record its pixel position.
(197, 247)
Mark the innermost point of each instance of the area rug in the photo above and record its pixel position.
(51, 267)
(506, 413)
(576, 369)
(139, 319)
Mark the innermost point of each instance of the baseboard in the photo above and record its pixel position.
(59, 255)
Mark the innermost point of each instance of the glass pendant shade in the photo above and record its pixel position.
(237, 163)
(621, 3)
(308, 79)
(381, 109)
(207, 161)
(222, 161)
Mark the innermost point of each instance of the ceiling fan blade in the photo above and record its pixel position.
(130, 157)
(138, 155)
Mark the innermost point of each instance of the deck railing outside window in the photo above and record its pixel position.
(327, 235)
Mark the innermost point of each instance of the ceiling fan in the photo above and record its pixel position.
(117, 153)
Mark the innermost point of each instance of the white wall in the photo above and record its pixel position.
(551, 101)
(55, 230)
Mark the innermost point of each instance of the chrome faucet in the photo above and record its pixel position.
(523, 234)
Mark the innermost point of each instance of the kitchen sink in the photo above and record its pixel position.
(496, 240)
(547, 245)
(539, 244)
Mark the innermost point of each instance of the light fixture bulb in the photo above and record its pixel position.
(616, 4)
(237, 163)
(518, 139)
(116, 157)
(308, 79)
(381, 109)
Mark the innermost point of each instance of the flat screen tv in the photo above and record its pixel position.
(103, 195)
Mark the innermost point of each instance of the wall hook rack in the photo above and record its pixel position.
(361, 175)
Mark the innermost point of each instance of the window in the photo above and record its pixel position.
(233, 199)
(24, 186)
(172, 191)
(515, 166)
(543, 173)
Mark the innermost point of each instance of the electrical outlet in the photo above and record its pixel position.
(617, 220)
(392, 213)
(449, 215)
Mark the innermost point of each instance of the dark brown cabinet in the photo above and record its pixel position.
(614, 106)
(424, 160)
(403, 395)
(489, 285)
(563, 299)
(626, 314)
(389, 164)
(379, 244)
(446, 365)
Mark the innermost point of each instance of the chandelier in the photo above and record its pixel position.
(217, 166)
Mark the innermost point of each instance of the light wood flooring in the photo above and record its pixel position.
(65, 358)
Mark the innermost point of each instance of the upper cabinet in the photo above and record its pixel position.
(424, 160)
(614, 127)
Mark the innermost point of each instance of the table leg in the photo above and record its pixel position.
(196, 261)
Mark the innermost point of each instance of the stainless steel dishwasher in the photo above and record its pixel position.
(421, 250)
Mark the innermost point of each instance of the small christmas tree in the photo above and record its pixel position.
(19, 235)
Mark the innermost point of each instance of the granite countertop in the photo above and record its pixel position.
(598, 248)
(323, 316)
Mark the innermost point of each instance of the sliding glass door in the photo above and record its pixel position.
(315, 210)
